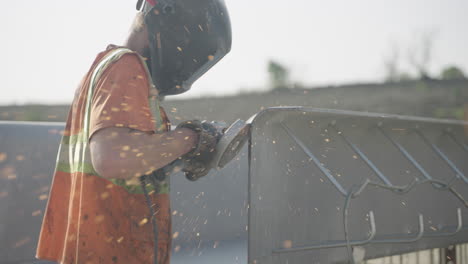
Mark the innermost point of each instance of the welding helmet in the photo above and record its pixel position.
(186, 38)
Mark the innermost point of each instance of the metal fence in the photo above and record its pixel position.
(431, 256)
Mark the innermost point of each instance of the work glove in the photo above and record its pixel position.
(194, 169)
(196, 163)
(166, 171)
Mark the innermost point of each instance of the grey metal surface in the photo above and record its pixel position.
(27, 159)
(209, 216)
(321, 180)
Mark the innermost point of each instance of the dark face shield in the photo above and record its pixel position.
(187, 37)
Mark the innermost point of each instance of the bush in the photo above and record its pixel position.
(452, 73)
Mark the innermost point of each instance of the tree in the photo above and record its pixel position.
(279, 75)
(391, 65)
(421, 53)
(452, 73)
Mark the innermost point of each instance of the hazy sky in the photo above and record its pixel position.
(49, 45)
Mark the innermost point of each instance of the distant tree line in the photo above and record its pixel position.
(419, 57)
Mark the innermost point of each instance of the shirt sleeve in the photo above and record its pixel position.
(121, 97)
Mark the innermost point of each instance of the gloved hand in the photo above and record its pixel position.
(196, 163)
(208, 137)
(166, 171)
(194, 169)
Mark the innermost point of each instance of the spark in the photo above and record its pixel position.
(36, 213)
(287, 244)
(143, 222)
(3, 157)
(99, 219)
(104, 195)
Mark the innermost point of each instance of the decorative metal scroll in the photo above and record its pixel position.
(325, 183)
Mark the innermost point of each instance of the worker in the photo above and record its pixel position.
(109, 200)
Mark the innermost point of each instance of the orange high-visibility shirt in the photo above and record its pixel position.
(90, 219)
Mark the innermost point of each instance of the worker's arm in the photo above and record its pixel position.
(123, 153)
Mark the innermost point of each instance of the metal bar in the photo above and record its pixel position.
(460, 252)
(463, 250)
(335, 244)
(442, 155)
(451, 254)
(370, 239)
(442, 254)
(409, 187)
(397, 189)
(364, 157)
(405, 240)
(406, 154)
(465, 253)
(462, 145)
(312, 157)
(458, 229)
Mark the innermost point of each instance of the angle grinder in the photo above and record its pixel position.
(231, 143)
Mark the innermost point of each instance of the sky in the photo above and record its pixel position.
(49, 45)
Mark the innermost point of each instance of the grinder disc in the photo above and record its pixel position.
(231, 143)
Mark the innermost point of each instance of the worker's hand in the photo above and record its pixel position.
(197, 162)
(208, 137)
(166, 171)
(191, 167)
(195, 169)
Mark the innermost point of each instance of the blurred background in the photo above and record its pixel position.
(399, 56)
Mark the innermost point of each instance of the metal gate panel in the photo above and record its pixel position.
(327, 184)
(28, 152)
